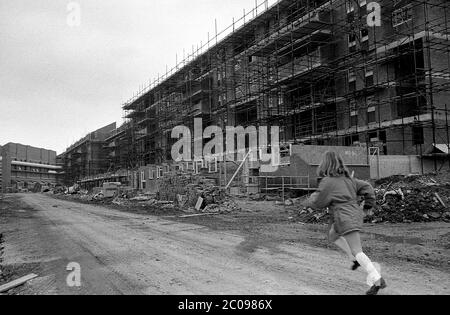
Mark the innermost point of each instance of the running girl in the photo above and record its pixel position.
(340, 193)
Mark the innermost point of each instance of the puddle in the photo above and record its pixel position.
(395, 239)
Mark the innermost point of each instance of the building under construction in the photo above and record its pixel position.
(318, 70)
(88, 156)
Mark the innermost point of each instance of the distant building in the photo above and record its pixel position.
(23, 166)
(119, 148)
(87, 157)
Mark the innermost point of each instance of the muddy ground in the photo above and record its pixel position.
(260, 250)
(265, 222)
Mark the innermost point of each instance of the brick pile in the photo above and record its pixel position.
(185, 189)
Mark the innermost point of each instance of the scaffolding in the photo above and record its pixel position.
(316, 69)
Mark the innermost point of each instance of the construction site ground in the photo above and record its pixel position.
(259, 250)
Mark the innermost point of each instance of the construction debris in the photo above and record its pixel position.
(313, 216)
(289, 202)
(199, 204)
(190, 190)
(225, 207)
(177, 191)
(407, 199)
(110, 190)
(16, 283)
(400, 199)
(440, 200)
(195, 215)
(73, 189)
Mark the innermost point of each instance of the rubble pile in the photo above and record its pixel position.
(308, 215)
(187, 189)
(313, 216)
(407, 199)
(175, 184)
(399, 199)
(176, 191)
(144, 202)
(225, 207)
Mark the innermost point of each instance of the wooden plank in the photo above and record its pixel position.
(199, 204)
(440, 200)
(189, 215)
(239, 168)
(197, 215)
(16, 283)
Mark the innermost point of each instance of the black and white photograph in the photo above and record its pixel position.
(222, 155)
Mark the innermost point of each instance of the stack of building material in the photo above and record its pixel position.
(185, 189)
(174, 184)
(111, 190)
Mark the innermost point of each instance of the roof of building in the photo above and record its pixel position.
(25, 145)
(98, 135)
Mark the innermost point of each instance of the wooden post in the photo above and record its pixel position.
(448, 135)
(225, 171)
(220, 173)
(239, 168)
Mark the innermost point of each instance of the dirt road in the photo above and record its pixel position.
(129, 253)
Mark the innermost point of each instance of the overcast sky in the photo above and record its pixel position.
(57, 82)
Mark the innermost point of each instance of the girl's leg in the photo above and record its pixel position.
(354, 241)
(340, 242)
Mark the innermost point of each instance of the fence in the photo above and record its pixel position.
(280, 184)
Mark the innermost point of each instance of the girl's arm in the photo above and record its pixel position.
(322, 197)
(366, 190)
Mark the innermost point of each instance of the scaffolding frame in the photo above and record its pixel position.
(314, 68)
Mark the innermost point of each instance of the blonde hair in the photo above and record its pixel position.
(332, 166)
